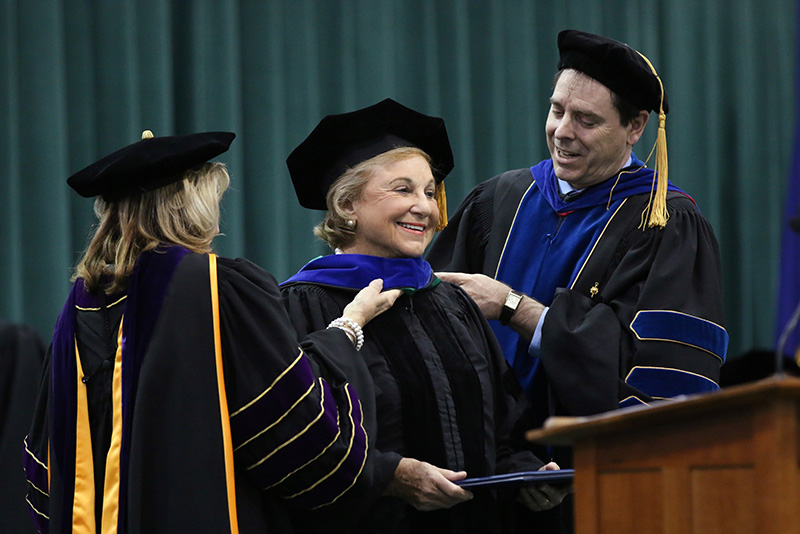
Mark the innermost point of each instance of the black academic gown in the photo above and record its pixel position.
(443, 394)
(636, 315)
(21, 355)
(224, 418)
(640, 319)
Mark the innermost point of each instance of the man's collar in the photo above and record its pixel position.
(566, 188)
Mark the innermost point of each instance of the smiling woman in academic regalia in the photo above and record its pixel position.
(447, 403)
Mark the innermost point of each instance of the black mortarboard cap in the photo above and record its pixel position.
(342, 141)
(148, 164)
(614, 64)
(633, 78)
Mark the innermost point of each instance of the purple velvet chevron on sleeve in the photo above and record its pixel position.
(301, 437)
(38, 497)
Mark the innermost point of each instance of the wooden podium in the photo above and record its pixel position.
(725, 462)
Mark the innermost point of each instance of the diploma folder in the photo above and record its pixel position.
(522, 478)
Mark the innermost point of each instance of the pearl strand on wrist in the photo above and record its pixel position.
(351, 328)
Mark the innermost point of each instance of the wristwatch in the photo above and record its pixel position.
(510, 307)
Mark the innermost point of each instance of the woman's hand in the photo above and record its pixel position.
(543, 497)
(426, 487)
(370, 302)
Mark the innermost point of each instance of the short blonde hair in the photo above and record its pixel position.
(348, 188)
(184, 213)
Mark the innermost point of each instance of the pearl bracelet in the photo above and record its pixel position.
(351, 328)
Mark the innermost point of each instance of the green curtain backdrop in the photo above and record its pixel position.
(79, 79)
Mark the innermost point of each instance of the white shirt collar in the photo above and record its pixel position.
(565, 188)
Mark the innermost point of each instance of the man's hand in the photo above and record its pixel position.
(544, 496)
(490, 295)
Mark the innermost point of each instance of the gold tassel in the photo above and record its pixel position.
(441, 201)
(658, 202)
(147, 134)
(658, 210)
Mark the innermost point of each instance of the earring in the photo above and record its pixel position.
(351, 224)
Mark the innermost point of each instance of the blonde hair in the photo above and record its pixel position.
(184, 213)
(348, 188)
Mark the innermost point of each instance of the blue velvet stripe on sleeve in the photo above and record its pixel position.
(663, 382)
(677, 327)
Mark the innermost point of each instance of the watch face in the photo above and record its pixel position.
(512, 300)
(510, 307)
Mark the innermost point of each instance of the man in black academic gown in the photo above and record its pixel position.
(604, 276)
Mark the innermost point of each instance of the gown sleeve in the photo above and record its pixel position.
(297, 433)
(654, 329)
(35, 455)
(311, 307)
